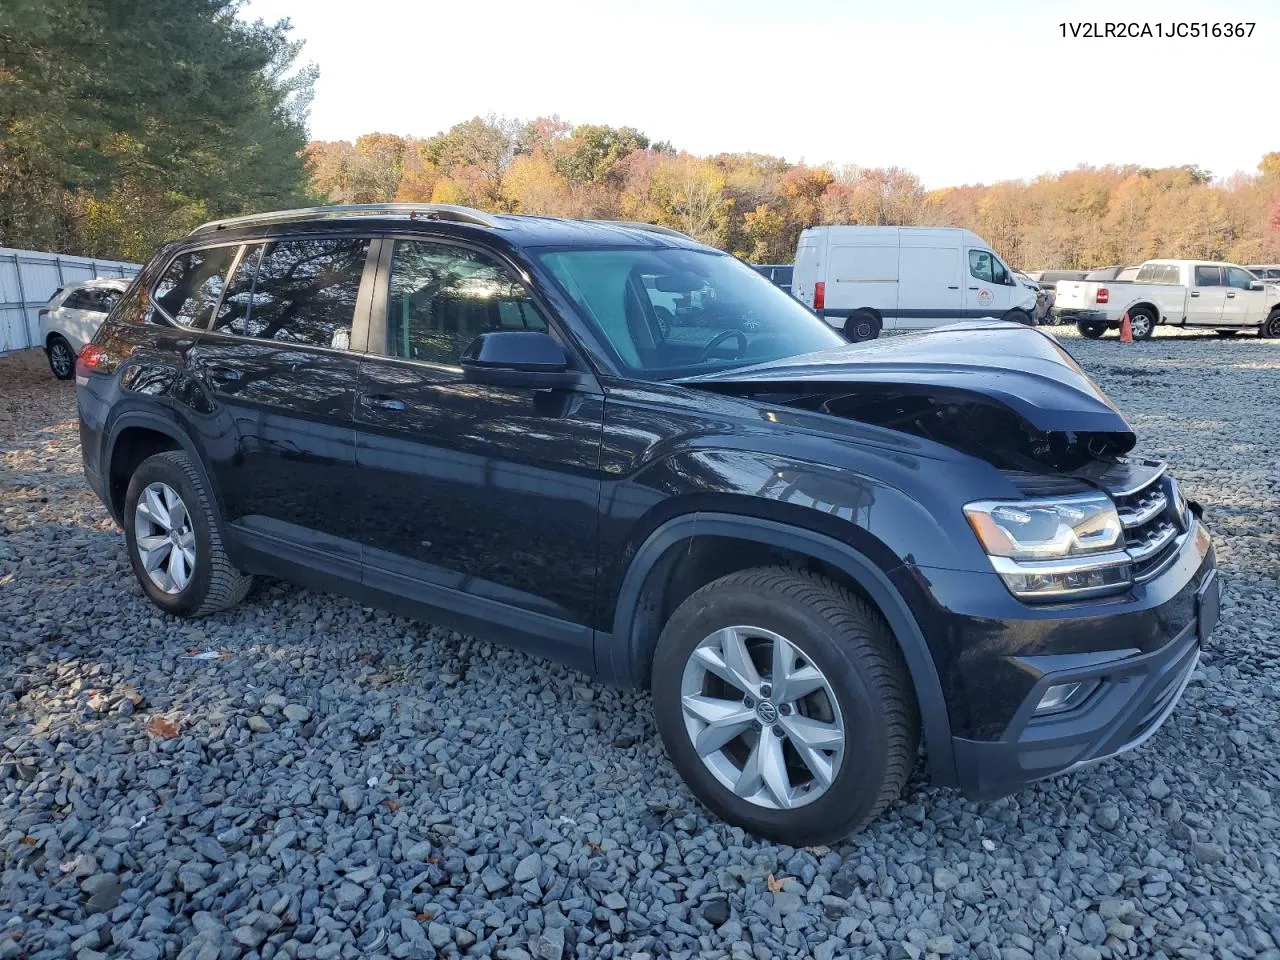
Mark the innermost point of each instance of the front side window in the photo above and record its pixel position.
(304, 291)
(982, 265)
(442, 297)
(1208, 276)
(189, 289)
(1240, 279)
(670, 312)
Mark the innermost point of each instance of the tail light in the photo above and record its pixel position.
(1103, 295)
(94, 359)
(819, 295)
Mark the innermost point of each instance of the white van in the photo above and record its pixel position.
(865, 279)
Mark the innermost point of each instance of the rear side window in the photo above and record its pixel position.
(304, 291)
(1208, 276)
(189, 289)
(442, 297)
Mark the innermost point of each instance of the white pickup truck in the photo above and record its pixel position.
(1181, 293)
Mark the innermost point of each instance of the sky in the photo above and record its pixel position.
(954, 92)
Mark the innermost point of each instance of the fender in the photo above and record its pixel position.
(151, 420)
(614, 653)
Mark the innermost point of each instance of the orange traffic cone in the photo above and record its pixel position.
(1126, 329)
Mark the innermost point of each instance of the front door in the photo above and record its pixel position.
(279, 363)
(989, 285)
(1241, 306)
(1207, 296)
(481, 500)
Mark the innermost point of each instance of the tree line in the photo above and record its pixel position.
(756, 205)
(124, 123)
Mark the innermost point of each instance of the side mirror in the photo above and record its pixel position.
(1257, 285)
(518, 358)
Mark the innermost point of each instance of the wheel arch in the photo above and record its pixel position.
(128, 437)
(623, 656)
(1147, 307)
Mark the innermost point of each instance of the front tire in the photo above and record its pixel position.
(1091, 330)
(1019, 316)
(62, 359)
(174, 542)
(785, 704)
(1271, 326)
(862, 325)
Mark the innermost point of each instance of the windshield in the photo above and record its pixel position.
(671, 313)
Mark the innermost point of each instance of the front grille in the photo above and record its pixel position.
(1150, 520)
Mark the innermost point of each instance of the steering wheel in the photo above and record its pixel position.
(721, 338)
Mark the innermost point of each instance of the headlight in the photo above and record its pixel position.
(1046, 529)
(1061, 549)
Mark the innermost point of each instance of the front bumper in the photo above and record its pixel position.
(999, 656)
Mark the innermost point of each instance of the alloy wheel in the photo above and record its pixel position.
(762, 717)
(166, 541)
(1139, 326)
(60, 359)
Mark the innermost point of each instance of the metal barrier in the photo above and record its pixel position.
(28, 278)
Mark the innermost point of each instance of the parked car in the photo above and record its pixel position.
(1265, 271)
(1182, 293)
(779, 274)
(1117, 272)
(862, 280)
(71, 318)
(812, 553)
(1048, 279)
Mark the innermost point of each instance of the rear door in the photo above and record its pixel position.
(808, 267)
(279, 362)
(477, 499)
(929, 281)
(1207, 296)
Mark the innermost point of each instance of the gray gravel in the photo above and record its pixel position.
(342, 783)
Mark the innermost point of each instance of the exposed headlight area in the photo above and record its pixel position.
(1054, 549)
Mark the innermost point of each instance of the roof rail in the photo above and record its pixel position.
(650, 227)
(413, 211)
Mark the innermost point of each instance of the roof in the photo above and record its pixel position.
(516, 229)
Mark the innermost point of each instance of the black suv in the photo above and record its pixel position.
(613, 446)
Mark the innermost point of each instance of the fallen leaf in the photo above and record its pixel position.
(391, 805)
(28, 841)
(435, 858)
(162, 727)
(424, 917)
(775, 885)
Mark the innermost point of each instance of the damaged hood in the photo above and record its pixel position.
(1006, 364)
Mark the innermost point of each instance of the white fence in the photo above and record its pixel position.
(28, 278)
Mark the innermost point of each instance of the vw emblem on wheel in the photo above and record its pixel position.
(767, 712)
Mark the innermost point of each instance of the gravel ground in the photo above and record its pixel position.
(336, 782)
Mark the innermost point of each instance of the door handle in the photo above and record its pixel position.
(1195, 293)
(383, 402)
(223, 374)
(954, 286)
(973, 288)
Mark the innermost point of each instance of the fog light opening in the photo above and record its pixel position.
(1066, 696)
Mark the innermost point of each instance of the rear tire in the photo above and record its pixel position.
(180, 561)
(1142, 323)
(847, 703)
(862, 325)
(1090, 329)
(62, 359)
